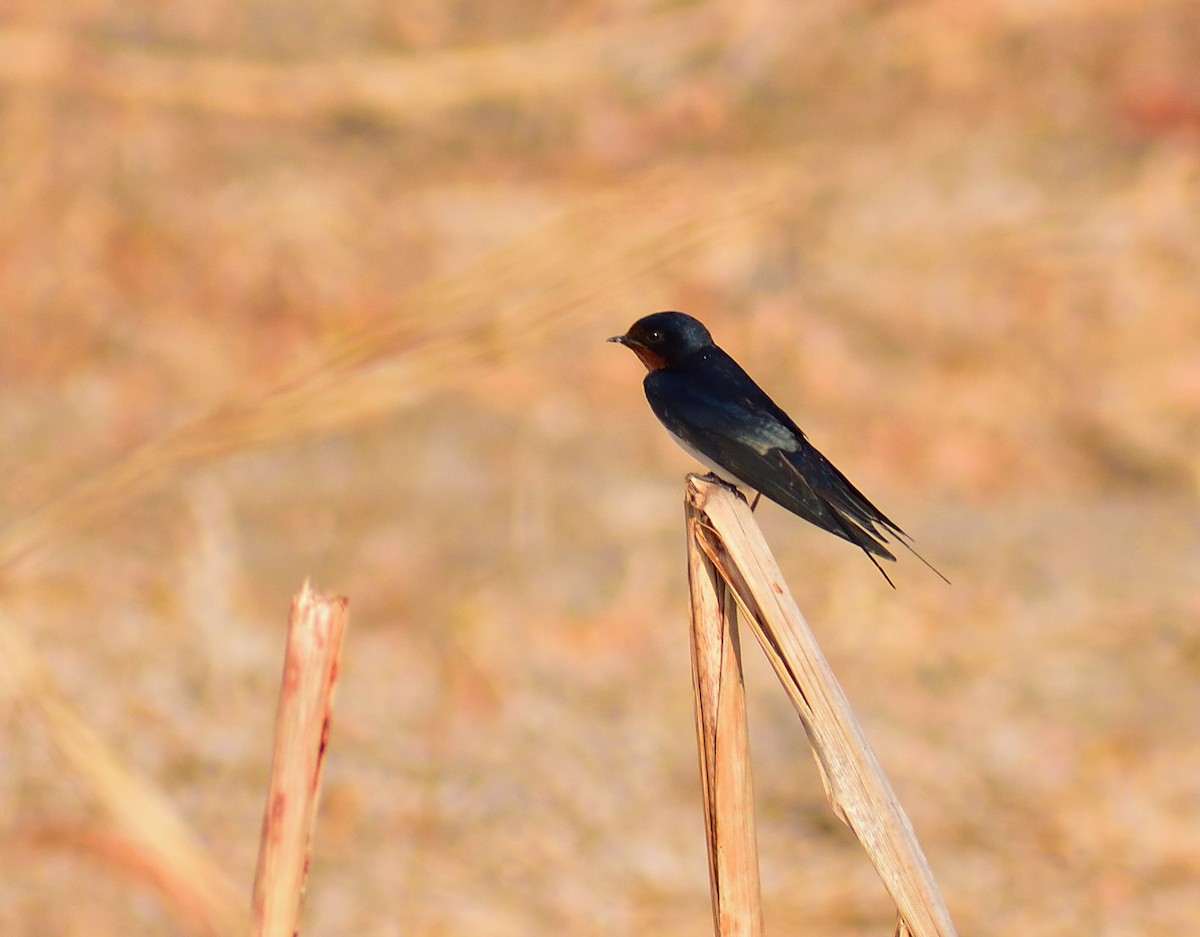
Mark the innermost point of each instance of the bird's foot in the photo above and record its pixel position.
(727, 485)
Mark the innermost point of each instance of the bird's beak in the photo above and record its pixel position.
(620, 339)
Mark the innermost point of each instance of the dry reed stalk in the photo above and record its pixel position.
(508, 305)
(571, 62)
(168, 853)
(316, 627)
(568, 63)
(724, 743)
(858, 791)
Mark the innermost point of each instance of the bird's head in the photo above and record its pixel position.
(665, 339)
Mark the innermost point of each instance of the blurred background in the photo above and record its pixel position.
(295, 289)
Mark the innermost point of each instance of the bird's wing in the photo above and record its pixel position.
(749, 441)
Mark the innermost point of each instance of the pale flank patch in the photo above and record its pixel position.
(721, 472)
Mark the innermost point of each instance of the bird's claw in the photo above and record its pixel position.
(727, 485)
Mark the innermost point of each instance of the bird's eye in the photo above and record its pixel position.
(654, 337)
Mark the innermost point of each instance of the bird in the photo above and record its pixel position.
(719, 415)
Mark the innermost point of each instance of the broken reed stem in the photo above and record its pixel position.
(722, 528)
(316, 627)
(724, 743)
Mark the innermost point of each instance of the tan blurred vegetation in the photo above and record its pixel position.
(296, 290)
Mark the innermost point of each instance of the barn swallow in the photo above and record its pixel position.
(719, 415)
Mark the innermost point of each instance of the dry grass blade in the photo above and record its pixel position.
(510, 304)
(858, 790)
(168, 851)
(316, 627)
(724, 743)
(388, 85)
